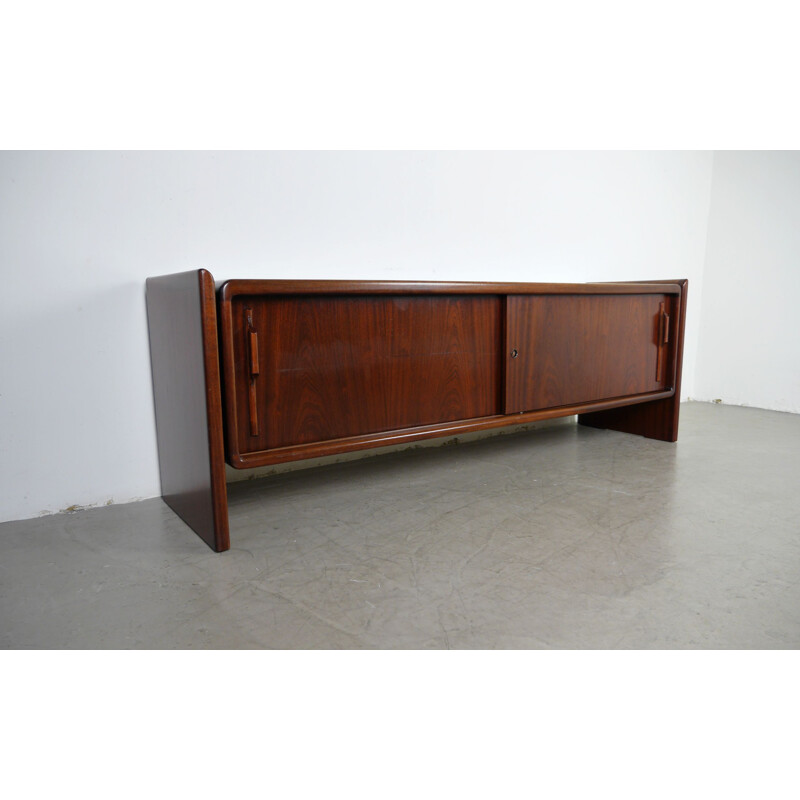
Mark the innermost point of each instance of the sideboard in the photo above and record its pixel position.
(258, 372)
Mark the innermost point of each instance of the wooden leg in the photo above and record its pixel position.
(659, 418)
(184, 353)
(655, 420)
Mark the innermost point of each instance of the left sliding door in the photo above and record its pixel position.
(314, 368)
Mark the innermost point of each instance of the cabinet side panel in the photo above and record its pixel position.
(184, 359)
(316, 368)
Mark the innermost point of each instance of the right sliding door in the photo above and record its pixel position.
(567, 349)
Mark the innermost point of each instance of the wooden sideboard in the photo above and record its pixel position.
(258, 372)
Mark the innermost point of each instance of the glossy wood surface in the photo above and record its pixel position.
(230, 289)
(332, 367)
(315, 368)
(627, 322)
(409, 435)
(656, 419)
(571, 349)
(181, 312)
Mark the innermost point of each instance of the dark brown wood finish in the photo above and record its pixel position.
(231, 289)
(181, 312)
(657, 419)
(571, 349)
(316, 368)
(339, 366)
(351, 444)
(335, 407)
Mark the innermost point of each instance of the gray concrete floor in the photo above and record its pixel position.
(567, 537)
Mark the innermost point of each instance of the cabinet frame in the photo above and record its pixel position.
(212, 334)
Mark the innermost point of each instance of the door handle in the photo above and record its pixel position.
(663, 340)
(254, 370)
(252, 402)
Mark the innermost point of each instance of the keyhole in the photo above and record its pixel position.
(514, 353)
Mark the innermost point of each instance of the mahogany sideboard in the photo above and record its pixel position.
(258, 372)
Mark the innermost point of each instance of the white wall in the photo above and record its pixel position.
(80, 232)
(749, 350)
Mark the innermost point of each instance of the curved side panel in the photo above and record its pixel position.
(181, 312)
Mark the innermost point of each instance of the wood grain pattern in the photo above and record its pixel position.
(234, 365)
(401, 436)
(231, 289)
(333, 367)
(656, 419)
(574, 349)
(181, 310)
(315, 368)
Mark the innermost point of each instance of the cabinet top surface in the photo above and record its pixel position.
(232, 288)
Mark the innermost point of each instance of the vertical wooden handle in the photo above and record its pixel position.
(253, 354)
(662, 335)
(252, 342)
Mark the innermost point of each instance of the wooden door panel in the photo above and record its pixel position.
(581, 348)
(315, 368)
